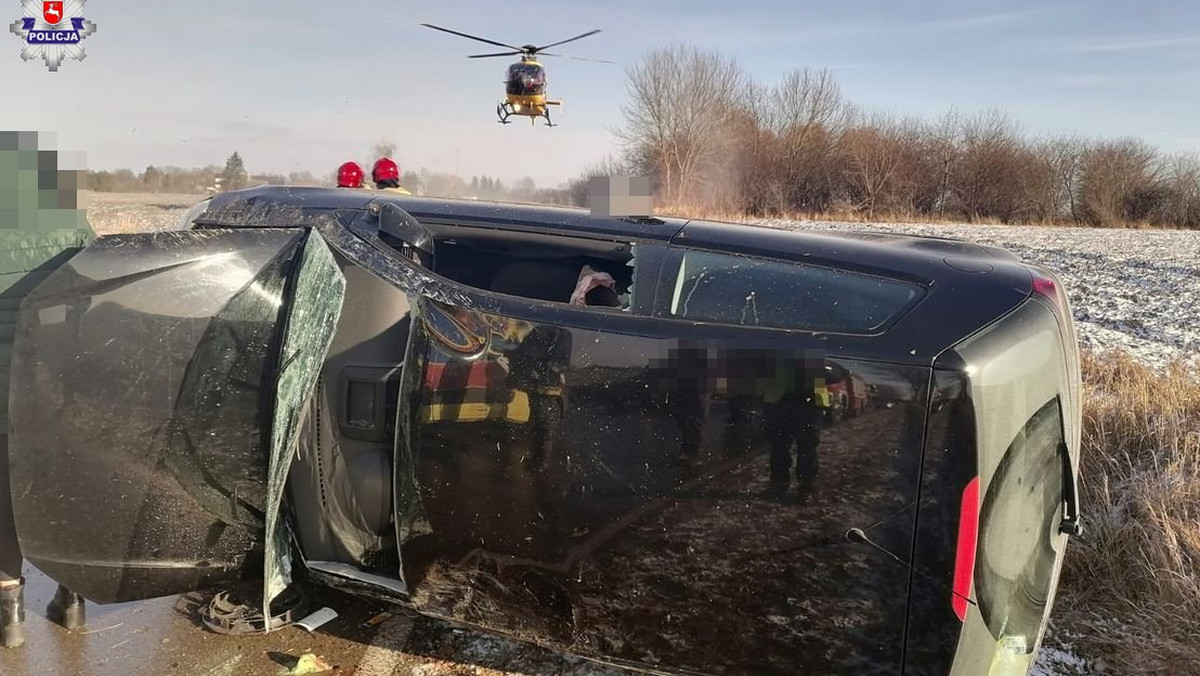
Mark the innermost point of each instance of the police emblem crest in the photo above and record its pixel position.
(52, 12)
(52, 31)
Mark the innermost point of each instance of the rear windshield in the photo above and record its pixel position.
(757, 292)
(1018, 530)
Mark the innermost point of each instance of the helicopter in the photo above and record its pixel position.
(525, 80)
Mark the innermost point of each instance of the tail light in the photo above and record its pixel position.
(964, 558)
(1048, 290)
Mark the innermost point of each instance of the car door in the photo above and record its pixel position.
(157, 388)
(601, 481)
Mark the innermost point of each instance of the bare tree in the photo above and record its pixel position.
(876, 151)
(1181, 192)
(679, 107)
(755, 150)
(1040, 194)
(1117, 182)
(809, 111)
(945, 148)
(988, 176)
(1061, 161)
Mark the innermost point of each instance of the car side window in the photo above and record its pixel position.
(747, 291)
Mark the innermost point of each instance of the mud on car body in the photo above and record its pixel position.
(395, 396)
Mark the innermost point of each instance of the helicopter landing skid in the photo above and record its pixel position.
(503, 111)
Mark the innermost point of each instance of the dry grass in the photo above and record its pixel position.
(112, 213)
(1131, 587)
(91, 198)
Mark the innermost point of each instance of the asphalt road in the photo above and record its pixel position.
(165, 637)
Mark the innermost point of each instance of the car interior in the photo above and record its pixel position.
(528, 265)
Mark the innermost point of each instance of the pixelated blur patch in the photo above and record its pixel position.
(620, 196)
(39, 186)
(741, 367)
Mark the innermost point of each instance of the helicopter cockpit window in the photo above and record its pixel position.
(526, 78)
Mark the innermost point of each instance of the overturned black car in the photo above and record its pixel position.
(680, 446)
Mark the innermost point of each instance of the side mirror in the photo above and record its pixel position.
(404, 233)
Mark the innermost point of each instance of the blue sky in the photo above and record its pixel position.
(303, 85)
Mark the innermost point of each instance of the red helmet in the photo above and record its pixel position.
(385, 170)
(350, 175)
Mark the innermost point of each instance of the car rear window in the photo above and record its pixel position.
(750, 291)
(1018, 530)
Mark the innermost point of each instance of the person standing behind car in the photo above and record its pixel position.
(386, 175)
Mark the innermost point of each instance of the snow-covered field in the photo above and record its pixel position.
(1134, 290)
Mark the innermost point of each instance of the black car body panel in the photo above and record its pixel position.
(140, 411)
(763, 452)
(606, 545)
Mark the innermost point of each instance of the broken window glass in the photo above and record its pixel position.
(320, 289)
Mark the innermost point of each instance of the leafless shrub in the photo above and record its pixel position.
(1119, 180)
(717, 141)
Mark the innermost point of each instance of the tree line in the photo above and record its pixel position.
(234, 176)
(164, 179)
(716, 140)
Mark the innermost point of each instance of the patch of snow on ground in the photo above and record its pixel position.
(1060, 661)
(1132, 290)
(1057, 662)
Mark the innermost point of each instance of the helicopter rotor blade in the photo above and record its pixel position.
(577, 58)
(472, 37)
(486, 56)
(563, 42)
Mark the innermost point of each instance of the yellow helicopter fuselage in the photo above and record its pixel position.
(526, 91)
(533, 105)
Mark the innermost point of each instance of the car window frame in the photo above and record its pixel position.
(647, 270)
(675, 254)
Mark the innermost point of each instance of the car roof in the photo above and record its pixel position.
(288, 206)
(279, 206)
